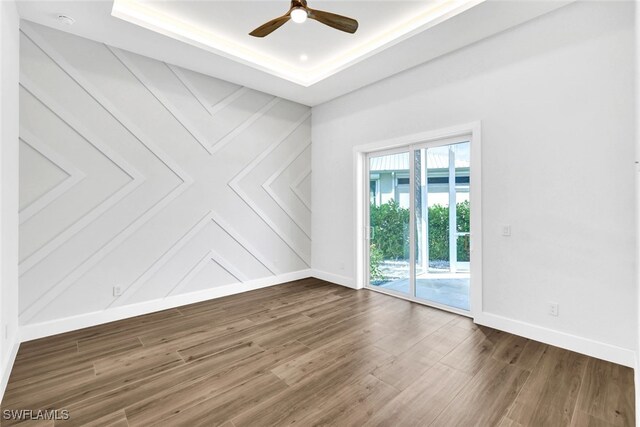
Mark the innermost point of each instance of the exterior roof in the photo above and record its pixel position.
(437, 158)
(393, 162)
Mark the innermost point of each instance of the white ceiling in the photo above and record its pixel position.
(223, 26)
(212, 37)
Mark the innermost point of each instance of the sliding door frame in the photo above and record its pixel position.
(431, 139)
(367, 204)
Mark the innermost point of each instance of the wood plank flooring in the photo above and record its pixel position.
(312, 353)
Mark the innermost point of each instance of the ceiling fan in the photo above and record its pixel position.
(299, 12)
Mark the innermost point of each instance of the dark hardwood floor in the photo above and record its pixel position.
(311, 353)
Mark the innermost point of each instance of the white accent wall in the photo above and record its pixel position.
(9, 58)
(134, 173)
(556, 101)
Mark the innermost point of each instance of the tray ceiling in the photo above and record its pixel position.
(308, 63)
(301, 53)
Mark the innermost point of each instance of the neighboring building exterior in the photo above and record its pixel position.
(389, 177)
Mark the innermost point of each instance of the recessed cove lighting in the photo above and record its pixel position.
(303, 57)
(66, 20)
(235, 45)
(298, 15)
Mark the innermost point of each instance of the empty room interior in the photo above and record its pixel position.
(321, 212)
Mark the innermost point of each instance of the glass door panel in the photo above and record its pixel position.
(441, 186)
(389, 218)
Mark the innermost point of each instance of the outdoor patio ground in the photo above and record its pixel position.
(451, 289)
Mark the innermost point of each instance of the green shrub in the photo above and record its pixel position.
(375, 256)
(390, 224)
(390, 237)
(439, 231)
(463, 225)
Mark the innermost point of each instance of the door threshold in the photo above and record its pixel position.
(427, 303)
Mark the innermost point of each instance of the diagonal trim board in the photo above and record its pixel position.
(295, 187)
(182, 241)
(214, 256)
(75, 176)
(190, 88)
(193, 271)
(242, 241)
(162, 260)
(211, 109)
(174, 111)
(221, 105)
(136, 178)
(179, 116)
(121, 118)
(278, 199)
(103, 101)
(228, 267)
(184, 255)
(185, 179)
(234, 184)
(222, 142)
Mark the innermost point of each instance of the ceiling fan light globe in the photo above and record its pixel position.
(298, 15)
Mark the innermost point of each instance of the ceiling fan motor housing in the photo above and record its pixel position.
(299, 12)
(298, 3)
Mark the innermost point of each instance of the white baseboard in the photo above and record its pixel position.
(597, 349)
(8, 365)
(575, 343)
(334, 278)
(67, 324)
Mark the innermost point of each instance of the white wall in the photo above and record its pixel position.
(556, 103)
(637, 184)
(9, 59)
(171, 184)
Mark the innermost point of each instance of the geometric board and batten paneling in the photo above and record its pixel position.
(143, 175)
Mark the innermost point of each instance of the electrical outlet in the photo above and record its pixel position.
(506, 230)
(117, 291)
(554, 308)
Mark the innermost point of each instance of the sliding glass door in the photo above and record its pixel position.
(389, 222)
(419, 223)
(442, 225)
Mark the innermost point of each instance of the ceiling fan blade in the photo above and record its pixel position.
(338, 22)
(269, 27)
